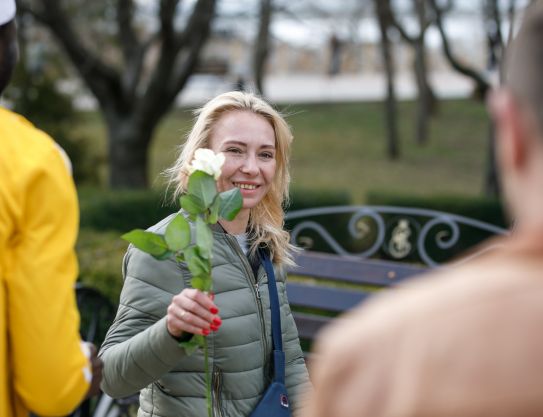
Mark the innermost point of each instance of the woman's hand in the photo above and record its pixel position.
(194, 312)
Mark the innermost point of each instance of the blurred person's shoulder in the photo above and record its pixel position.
(25, 147)
(482, 288)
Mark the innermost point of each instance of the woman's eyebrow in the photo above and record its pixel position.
(241, 143)
(234, 142)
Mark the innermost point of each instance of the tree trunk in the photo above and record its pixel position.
(132, 102)
(426, 103)
(393, 151)
(262, 44)
(128, 156)
(492, 181)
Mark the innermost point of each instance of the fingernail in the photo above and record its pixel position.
(205, 332)
(214, 310)
(217, 321)
(214, 328)
(212, 296)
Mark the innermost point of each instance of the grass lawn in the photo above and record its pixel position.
(343, 146)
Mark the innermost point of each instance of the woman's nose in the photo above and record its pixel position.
(250, 165)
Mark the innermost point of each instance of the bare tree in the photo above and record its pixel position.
(481, 83)
(262, 44)
(426, 101)
(382, 8)
(136, 92)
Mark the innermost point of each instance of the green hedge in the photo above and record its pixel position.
(485, 209)
(122, 210)
(100, 255)
(302, 198)
(105, 215)
(126, 210)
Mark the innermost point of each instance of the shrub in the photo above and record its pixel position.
(302, 198)
(100, 257)
(127, 210)
(37, 97)
(481, 208)
(122, 211)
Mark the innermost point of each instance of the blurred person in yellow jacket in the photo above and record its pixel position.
(44, 366)
(465, 340)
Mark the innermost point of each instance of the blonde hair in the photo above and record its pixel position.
(266, 220)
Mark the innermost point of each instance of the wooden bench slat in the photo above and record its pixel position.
(351, 269)
(309, 324)
(325, 298)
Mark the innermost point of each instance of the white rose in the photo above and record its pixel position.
(207, 161)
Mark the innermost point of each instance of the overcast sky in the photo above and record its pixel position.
(303, 22)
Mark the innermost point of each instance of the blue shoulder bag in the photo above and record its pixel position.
(274, 402)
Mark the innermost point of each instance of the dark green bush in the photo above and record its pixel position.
(302, 198)
(100, 256)
(105, 215)
(36, 96)
(126, 210)
(122, 210)
(485, 209)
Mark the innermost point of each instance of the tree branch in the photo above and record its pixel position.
(167, 15)
(127, 36)
(169, 77)
(482, 85)
(101, 79)
(133, 50)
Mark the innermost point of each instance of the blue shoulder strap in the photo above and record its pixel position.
(278, 354)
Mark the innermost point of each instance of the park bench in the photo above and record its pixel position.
(350, 252)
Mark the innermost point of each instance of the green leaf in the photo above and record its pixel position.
(204, 238)
(214, 211)
(203, 187)
(197, 265)
(191, 346)
(178, 233)
(191, 204)
(149, 242)
(198, 283)
(231, 203)
(165, 255)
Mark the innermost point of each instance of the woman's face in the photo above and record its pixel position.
(247, 141)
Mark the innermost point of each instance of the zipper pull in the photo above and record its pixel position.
(257, 291)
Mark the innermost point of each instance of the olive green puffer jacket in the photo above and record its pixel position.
(140, 355)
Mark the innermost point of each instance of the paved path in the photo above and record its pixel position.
(313, 88)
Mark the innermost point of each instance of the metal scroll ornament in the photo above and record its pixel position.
(400, 232)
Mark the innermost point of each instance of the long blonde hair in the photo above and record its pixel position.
(267, 218)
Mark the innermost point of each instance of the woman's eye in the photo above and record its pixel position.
(233, 150)
(267, 155)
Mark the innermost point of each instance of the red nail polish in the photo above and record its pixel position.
(205, 332)
(217, 321)
(214, 328)
(214, 310)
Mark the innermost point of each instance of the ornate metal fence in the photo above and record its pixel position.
(403, 234)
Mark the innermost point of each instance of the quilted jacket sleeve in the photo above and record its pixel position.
(138, 348)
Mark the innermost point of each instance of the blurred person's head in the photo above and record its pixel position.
(8, 42)
(266, 217)
(518, 113)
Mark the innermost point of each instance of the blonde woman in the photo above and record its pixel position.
(158, 308)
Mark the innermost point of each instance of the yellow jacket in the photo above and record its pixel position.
(43, 368)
